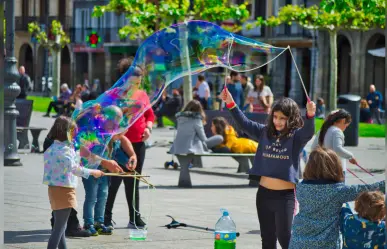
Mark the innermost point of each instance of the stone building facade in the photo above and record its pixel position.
(35, 58)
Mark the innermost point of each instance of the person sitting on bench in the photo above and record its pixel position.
(190, 136)
(75, 101)
(61, 101)
(169, 107)
(231, 142)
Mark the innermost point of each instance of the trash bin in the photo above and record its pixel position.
(351, 103)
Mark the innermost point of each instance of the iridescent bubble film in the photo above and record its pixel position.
(183, 49)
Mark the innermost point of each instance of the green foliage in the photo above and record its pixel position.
(332, 15)
(42, 38)
(365, 130)
(147, 16)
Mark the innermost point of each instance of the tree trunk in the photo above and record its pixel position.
(186, 65)
(333, 69)
(56, 54)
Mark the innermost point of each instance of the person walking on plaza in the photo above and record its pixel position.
(138, 133)
(203, 91)
(375, 100)
(24, 83)
(247, 87)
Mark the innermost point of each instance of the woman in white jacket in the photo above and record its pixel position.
(331, 136)
(190, 136)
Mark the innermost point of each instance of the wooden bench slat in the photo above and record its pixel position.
(30, 128)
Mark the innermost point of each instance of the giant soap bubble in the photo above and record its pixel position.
(169, 54)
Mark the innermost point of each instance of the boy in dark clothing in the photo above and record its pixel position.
(375, 100)
(24, 83)
(367, 228)
(169, 107)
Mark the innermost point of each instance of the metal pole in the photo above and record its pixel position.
(2, 119)
(385, 104)
(11, 90)
(35, 57)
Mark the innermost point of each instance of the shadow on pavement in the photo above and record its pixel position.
(17, 237)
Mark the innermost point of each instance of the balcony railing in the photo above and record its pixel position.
(21, 22)
(290, 31)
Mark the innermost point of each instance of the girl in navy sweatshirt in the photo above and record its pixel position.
(276, 164)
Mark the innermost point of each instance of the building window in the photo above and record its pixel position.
(25, 12)
(62, 11)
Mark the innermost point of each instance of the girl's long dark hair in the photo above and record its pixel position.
(290, 109)
(332, 118)
(60, 128)
(220, 124)
(262, 85)
(195, 106)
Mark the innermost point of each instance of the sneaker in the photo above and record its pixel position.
(139, 223)
(102, 229)
(109, 224)
(46, 115)
(91, 229)
(79, 232)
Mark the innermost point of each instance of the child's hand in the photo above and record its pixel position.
(111, 166)
(311, 109)
(226, 96)
(132, 163)
(97, 173)
(353, 161)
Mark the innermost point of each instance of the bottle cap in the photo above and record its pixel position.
(225, 213)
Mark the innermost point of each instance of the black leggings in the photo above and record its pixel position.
(115, 182)
(57, 238)
(275, 213)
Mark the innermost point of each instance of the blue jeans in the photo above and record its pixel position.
(96, 190)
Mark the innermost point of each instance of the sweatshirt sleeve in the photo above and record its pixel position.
(349, 193)
(306, 133)
(149, 115)
(253, 129)
(72, 165)
(338, 145)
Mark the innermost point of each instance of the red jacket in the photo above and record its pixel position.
(136, 130)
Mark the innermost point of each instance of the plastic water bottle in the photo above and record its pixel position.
(225, 232)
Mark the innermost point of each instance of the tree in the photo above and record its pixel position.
(332, 16)
(54, 41)
(147, 16)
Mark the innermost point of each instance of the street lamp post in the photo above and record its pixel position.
(11, 90)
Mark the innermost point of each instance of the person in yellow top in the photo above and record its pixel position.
(235, 144)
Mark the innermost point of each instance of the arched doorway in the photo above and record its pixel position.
(374, 69)
(343, 65)
(65, 69)
(26, 59)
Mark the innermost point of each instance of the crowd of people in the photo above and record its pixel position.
(371, 107)
(311, 212)
(126, 152)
